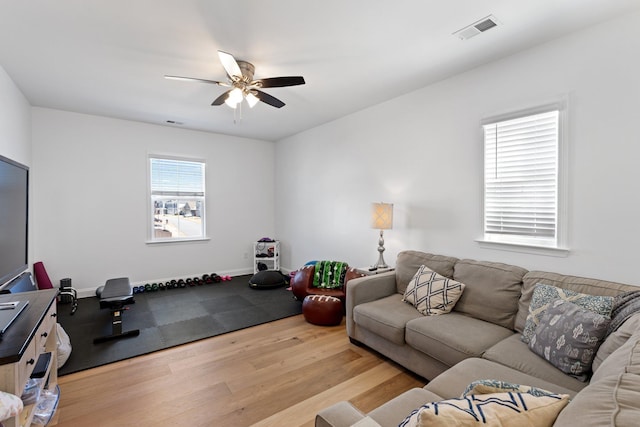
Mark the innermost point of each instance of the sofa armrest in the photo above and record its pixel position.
(371, 288)
(367, 289)
(342, 414)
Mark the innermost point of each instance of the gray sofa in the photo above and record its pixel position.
(480, 339)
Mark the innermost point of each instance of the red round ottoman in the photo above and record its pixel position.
(322, 310)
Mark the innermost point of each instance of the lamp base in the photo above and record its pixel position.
(380, 263)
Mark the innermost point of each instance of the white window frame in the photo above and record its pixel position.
(199, 196)
(558, 245)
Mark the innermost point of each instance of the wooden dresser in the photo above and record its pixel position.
(31, 334)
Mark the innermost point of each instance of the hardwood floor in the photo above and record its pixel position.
(276, 374)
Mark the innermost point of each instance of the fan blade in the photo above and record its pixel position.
(280, 81)
(229, 63)
(220, 100)
(268, 99)
(192, 79)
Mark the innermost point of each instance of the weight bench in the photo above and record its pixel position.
(114, 295)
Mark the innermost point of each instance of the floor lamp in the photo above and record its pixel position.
(381, 219)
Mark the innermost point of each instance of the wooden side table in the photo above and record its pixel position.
(368, 272)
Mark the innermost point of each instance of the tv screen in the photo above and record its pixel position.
(14, 208)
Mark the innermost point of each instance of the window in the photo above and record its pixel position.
(177, 199)
(521, 176)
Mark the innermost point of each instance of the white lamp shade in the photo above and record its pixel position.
(252, 100)
(382, 216)
(234, 98)
(231, 102)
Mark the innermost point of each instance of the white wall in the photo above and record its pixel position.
(423, 152)
(15, 132)
(15, 121)
(90, 223)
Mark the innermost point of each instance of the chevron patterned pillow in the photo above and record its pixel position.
(432, 294)
(511, 409)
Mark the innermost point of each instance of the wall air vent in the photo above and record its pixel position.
(476, 28)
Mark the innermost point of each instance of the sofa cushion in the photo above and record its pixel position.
(453, 337)
(395, 410)
(492, 290)
(625, 359)
(432, 294)
(610, 402)
(408, 262)
(455, 380)
(365, 422)
(574, 283)
(514, 353)
(568, 336)
(511, 409)
(544, 295)
(616, 340)
(386, 317)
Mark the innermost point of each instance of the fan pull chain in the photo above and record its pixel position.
(237, 114)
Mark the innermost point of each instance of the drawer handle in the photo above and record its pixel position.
(44, 335)
(54, 314)
(31, 362)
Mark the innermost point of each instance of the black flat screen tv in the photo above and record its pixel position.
(14, 218)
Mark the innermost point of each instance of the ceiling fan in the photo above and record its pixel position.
(242, 84)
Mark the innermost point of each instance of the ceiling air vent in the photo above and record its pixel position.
(476, 28)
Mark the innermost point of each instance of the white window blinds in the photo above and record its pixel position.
(180, 178)
(521, 179)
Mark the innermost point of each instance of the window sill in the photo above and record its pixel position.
(524, 248)
(178, 240)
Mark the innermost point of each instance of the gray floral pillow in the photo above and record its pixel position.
(568, 337)
(543, 295)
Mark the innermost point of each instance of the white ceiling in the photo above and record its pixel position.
(108, 57)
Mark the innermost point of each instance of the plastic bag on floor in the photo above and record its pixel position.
(64, 346)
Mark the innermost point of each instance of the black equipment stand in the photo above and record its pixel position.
(114, 295)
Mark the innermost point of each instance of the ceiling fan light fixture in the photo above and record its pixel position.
(252, 100)
(231, 103)
(242, 85)
(234, 98)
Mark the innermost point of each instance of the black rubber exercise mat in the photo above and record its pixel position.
(167, 318)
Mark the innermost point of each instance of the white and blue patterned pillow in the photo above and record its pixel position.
(10, 405)
(543, 295)
(510, 409)
(568, 337)
(432, 294)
